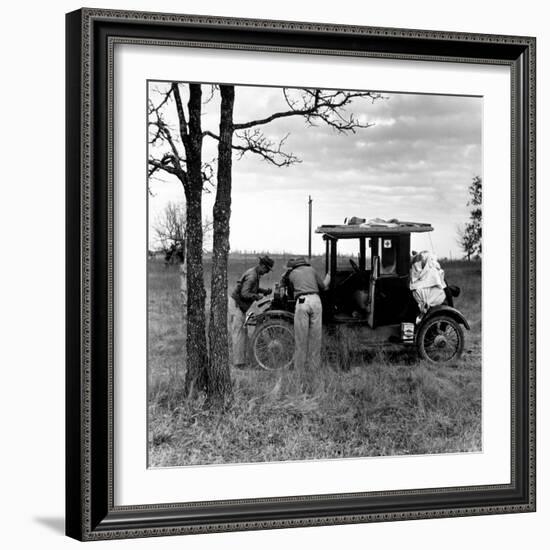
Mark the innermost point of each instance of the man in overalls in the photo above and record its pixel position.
(245, 293)
(307, 284)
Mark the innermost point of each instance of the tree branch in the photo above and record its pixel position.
(210, 96)
(255, 142)
(164, 133)
(317, 104)
(162, 164)
(181, 113)
(173, 162)
(153, 109)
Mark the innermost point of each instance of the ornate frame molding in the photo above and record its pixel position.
(91, 35)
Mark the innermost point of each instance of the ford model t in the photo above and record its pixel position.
(370, 296)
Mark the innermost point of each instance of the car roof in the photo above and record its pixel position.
(373, 228)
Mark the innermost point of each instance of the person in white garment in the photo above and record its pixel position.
(427, 281)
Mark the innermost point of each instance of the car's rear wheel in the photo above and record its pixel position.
(440, 340)
(273, 344)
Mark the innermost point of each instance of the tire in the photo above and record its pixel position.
(273, 344)
(440, 340)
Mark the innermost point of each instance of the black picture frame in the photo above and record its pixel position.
(90, 512)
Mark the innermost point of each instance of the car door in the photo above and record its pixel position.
(375, 269)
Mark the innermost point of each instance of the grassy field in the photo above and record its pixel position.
(388, 403)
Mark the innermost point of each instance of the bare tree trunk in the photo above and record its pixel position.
(197, 357)
(219, 378)
(183, 295)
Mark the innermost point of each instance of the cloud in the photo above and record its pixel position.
(415, 162)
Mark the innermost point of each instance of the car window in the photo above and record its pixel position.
(388, 256)
(342, 261)
(350, 249)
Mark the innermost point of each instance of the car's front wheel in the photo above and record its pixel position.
(273, 344)
(440, 340)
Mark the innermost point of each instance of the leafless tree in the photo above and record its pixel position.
(315, 107)
(170, 226)
(182, 158)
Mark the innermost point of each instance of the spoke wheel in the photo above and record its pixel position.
(273, 344)
(440, 340)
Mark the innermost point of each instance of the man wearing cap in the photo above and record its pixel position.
(307, 284)
(245, 293)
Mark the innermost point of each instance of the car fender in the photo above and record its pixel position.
(257, 309)
(259, 318)
(446, 310)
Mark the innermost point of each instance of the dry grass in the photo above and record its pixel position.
(389, 403)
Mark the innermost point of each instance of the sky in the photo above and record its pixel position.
(414, 163)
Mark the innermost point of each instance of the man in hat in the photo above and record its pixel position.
(245, 293)
(307, 284)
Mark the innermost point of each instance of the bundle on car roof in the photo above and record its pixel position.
(360, 227)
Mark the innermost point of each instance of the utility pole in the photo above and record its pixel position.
(309, 232)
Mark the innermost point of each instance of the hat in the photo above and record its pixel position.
(267, 262)
(296, 262)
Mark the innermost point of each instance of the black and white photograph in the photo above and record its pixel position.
(270, 275)
(314, 273)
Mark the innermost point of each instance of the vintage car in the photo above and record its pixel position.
(370, 296)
